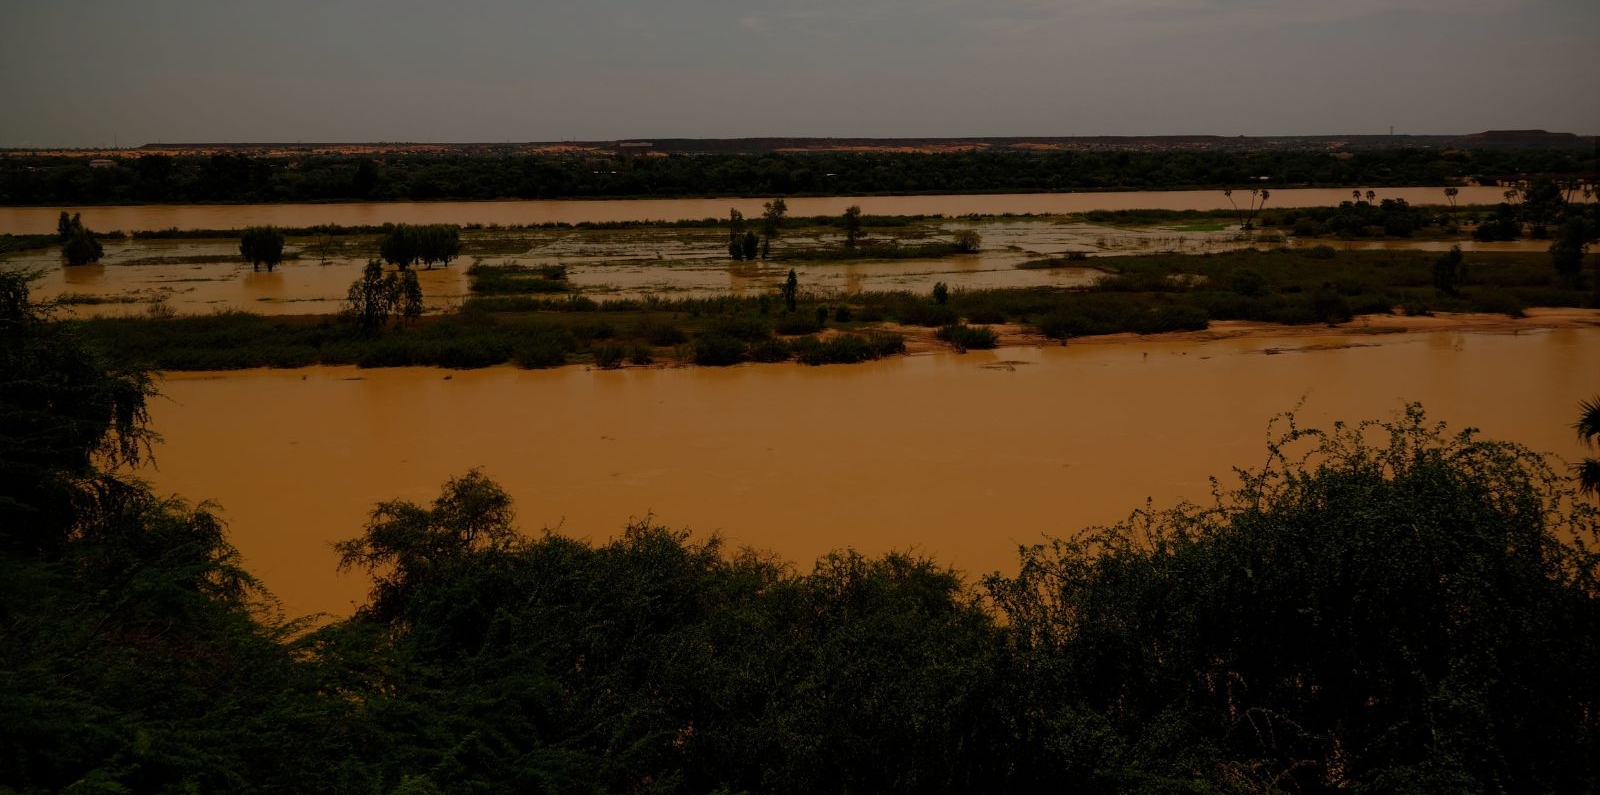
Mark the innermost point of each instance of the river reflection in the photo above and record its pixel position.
(957, 457)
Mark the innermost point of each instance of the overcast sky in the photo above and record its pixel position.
(98, 72)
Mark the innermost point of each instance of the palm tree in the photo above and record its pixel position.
(1588, 428)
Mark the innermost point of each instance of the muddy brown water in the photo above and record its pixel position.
(960, 458)
(42, 220)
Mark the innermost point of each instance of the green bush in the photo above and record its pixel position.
(963, 337)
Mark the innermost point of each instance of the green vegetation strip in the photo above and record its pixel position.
(1145, 295)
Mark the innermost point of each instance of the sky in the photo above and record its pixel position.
(99, 73)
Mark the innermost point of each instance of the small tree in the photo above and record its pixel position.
(82, 249)
(261, 245)
(66, 225)
(736, 234)
(751, 245)
(399, 246)
(1567, 250)
(374, 296)
(78, 244)
(791, 291)
(771, 224)
(852, 225)
(941, 293)
(968, 241)
(437, 243)
(1449, 270)
(410, 296)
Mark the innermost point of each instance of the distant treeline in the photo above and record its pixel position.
(234, 177)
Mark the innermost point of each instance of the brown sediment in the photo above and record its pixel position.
(961, 457)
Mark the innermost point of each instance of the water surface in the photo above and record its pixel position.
(957, 457)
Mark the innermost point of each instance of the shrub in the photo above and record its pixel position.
(963, 337)
(798, 323)
(718, 350)
(609, 357)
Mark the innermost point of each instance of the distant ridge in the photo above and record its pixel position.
(655, 147)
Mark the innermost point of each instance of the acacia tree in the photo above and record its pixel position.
(261, 245)
(406, 546)
(852, 225)
(771, 223)
(374, 296)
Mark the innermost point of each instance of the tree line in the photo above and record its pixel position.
(1379, 607)
(232, 177)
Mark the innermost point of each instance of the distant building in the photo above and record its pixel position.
(101, 162)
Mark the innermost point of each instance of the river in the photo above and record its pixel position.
(42, 220)
(959, 457)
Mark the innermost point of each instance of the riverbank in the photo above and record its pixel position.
(925, 341)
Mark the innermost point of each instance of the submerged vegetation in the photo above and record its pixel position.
(1380, 607)
(522, 314)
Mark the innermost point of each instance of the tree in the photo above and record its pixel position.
(66, 416)
(751, 245)
(1449, 270)
(771, 223)
(400, 246)
(374, 296)
(852, 225)
(1450, 195)
(1588, 428)
(410, 305)
(79, 247)
(407, 547)
(66, 225)
(1567, 250)
(1260, 634)
(82, 248)
(941, 293)
(791, 291)
(437, 243)
(736, 232)
(261, 245)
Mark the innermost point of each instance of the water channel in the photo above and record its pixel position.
(959, 457)
(42, 220)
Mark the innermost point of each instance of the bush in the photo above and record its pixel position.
(770, 349)
(660, 333)
(718, 350)
(798, 323)
(609, 357)
(963, 337)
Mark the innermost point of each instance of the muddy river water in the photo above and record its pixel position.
(42, 220)
(959, 457)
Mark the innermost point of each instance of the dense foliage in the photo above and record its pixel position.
(1384, 607)
(234, 177)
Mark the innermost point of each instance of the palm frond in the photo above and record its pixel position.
(1588, 424)
(1587, 472)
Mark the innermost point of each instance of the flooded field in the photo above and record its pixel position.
(197, 276)
(957, 457)
(42, 220)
